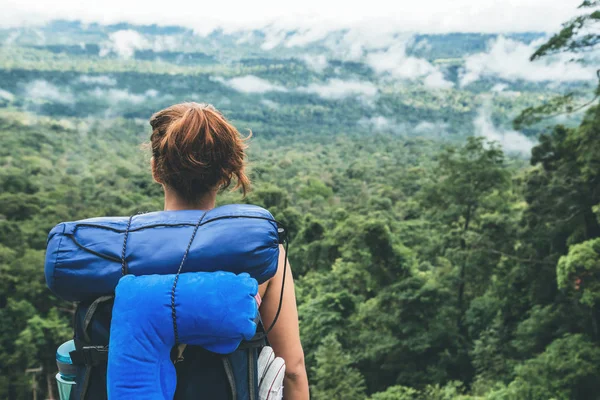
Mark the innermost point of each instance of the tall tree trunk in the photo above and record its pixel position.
(594, 319)
(462, 273)
(50, 386)
(592, 228)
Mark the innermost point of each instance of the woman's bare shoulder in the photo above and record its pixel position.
(262, 289)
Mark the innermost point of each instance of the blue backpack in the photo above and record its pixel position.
(86, 259)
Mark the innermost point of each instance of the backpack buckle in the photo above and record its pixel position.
(282, 234)
(90, 355)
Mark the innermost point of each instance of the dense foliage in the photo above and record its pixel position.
(426, 268)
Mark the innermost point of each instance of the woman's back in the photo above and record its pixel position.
(195, 154)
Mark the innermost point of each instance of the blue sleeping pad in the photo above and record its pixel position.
(83, 258)
(214, 310)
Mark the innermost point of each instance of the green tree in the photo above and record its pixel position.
(462, 190)
(13, 320)
(579, 271)
(36, 344)
(334, 376)
(409, 327)
(578, 38)
(397, 393)
(567, 370)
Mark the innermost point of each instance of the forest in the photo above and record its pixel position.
(432, 260)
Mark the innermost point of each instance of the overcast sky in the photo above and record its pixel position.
(401, 15)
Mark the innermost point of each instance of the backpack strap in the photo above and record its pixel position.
(252, 373)
(260, 338)
(241, 371)
(84, 354)
(230, 376)
(252, 348)
(90, 314)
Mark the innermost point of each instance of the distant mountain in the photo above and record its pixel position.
(281, 82)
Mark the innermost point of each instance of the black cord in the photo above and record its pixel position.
(285, 263)
(123, 263)
(185, 255)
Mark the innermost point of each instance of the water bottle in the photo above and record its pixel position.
(65, 379)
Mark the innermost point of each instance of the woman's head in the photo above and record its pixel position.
(196, 151)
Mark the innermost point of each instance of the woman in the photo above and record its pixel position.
(196, 153)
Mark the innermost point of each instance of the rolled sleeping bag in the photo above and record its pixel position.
(83, 258)
(215, 310)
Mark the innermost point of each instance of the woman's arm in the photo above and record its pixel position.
(285, 336)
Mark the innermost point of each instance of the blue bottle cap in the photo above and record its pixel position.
(63, 360)
(62, 353)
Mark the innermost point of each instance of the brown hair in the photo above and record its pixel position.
(196, 150)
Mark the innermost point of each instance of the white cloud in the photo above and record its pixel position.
(383, 49)
(114, 102)
(12, 38)
(6, 95)
(274, 36)
(102, 80)
(310, 34)
(336, 89)
(436, 80)
(510, 140)
(251, 84)
(377, 123)
(41, 90)
(269, 103)
(165, 43)
(431, 128)
(247, 37)
(395, 62)
(509, 59)
(433, 16)
(499, 87)
(151, 93)
(422, 44)
(317, 63)
(357, 41)
(114, 96)
(124, 43)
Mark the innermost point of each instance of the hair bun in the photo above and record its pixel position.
(197, 150)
